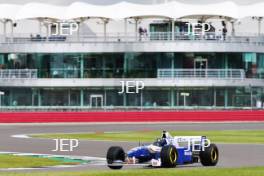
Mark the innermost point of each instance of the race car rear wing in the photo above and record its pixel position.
(189, 138)
(186, 141)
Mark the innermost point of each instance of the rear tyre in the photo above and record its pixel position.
(210, 156)
(168, 156)
(115, 157)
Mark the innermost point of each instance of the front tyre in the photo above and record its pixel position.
(210, 156)
(115, 157)
(168, 156)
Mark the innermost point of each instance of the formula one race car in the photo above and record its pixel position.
(166, 151)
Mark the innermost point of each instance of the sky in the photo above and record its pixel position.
(66, 2)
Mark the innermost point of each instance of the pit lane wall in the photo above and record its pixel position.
(133, 116)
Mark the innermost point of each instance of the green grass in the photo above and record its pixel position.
(227, 136)
(256, 171)
(12, 161)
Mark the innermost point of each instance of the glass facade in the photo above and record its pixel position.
(130, 65)
(181, 97)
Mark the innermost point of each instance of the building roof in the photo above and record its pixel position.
(8, 11)
(173, 10)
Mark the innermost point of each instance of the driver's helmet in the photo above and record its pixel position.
(164, 134)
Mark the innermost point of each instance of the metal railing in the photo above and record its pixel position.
(161, 73)
(202, 73)
(133, 37)
(18, 73)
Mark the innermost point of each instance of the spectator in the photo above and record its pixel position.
(146, 32)
(141, 32)
(224, 32)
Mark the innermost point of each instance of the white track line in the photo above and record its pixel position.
(23, 136)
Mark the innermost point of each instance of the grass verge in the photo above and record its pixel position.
(256, 171)
(226, 136)
(12, 161)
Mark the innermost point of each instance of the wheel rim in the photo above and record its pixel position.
(214, 155)
(173, 156)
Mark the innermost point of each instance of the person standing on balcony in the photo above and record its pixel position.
(141, 33)
(146, 33)
(224, 30)
(224, 33)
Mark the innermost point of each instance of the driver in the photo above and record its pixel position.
(160, 142)
(164, 134)
(163, 142)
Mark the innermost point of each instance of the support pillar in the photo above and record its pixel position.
(259, 25)
(233, 28)
(136, 28)
(11, 97)
(47, 32)
(105, 21)
(105, 99)
(124, 99)
(39, 32)
(69, 97)
(226, 64)
(104, 31)
(81, 66)
(80, 24)
(177, 98)
(12, 31)
(125, 65)
(214, 92)
(172, 61)
(172, 94)
(226, 97)
(104, 66)
(78, 31)
(39, 97)
(33, 93)
(226, 61)
(81, 97)
(173, 29)
(4, 29)
(251, 96)
(1, 95)
(125, 29)
(141, 100)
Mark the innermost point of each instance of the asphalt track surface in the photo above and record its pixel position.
(231, 155)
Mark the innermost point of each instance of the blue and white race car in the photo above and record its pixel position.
(166, 151)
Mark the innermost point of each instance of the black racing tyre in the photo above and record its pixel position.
(115, 153)
(210, 156)
(168, 156)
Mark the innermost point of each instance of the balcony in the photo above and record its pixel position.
(202, 73)
(18, 74)
(161, 73)
(132, 37)
(165, 78)
(131, 42)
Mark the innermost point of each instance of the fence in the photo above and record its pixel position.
(18, 73)
(201, 73)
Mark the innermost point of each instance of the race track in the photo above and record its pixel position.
(232, 155)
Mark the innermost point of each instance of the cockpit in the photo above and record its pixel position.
(160, 142)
